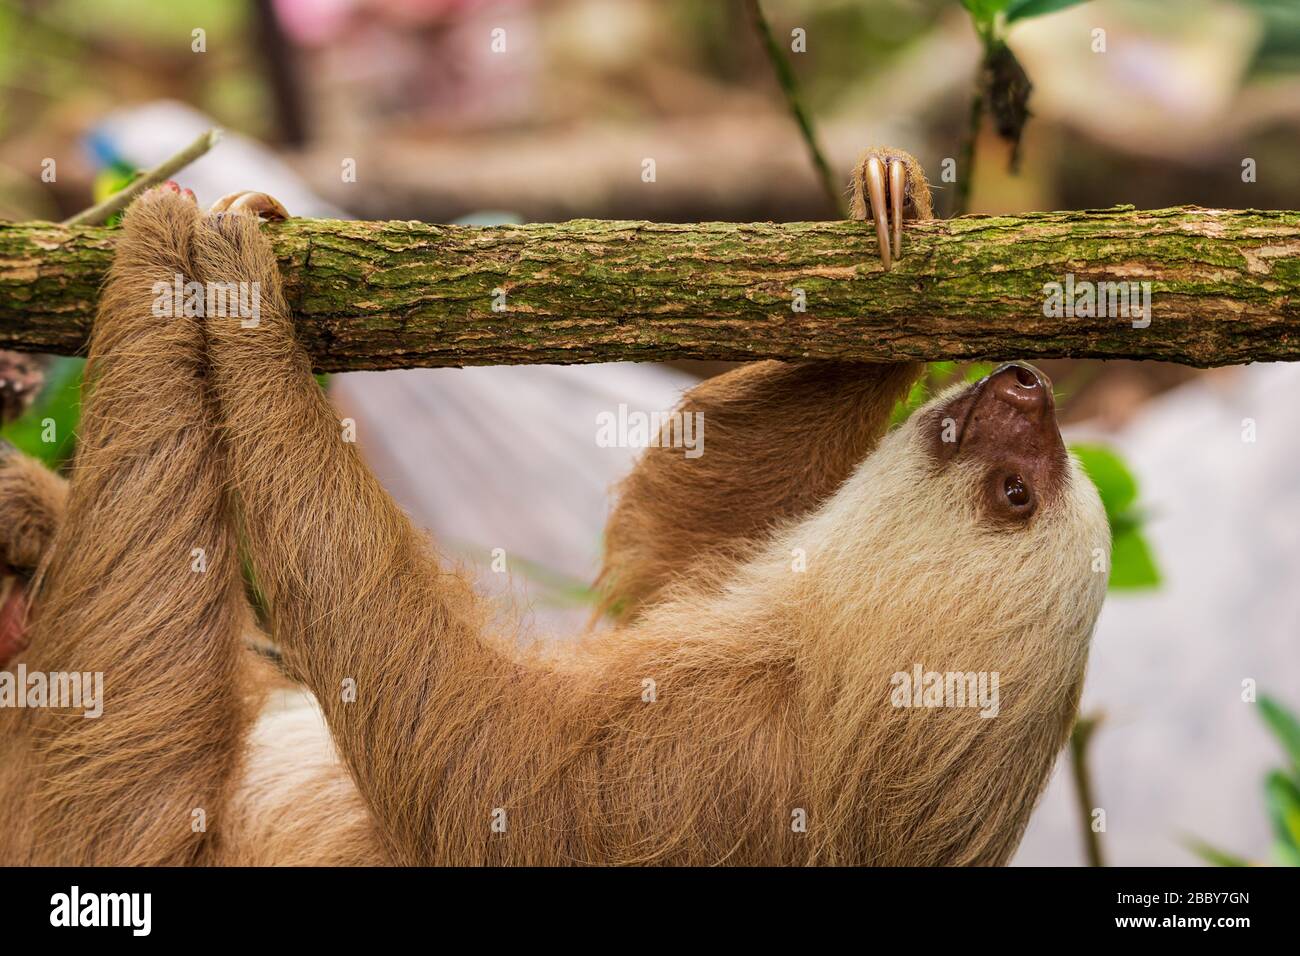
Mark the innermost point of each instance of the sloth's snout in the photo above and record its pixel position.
(1010, 409)
(1007, 418)
(1006, 423)
(1022, 387)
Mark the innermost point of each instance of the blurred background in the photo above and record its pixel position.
(490, 112)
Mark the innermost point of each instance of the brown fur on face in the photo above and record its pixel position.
(767, 598)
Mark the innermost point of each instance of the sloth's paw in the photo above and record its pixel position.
(889, 186)
(251, 203)
(164, 191)
(31, 507)
(21, 378)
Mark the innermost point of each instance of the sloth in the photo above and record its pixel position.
(741, 706)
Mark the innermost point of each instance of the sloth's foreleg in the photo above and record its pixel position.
(391, 643)
(140, 600)
(776, 438)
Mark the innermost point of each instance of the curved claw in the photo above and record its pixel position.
(897, 187)
(876, 190)
(251, 203)
(888, 184)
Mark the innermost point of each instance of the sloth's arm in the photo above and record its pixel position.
(122, 594)
(391, 643)
(778, 439)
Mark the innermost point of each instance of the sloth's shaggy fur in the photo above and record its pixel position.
(735, 695)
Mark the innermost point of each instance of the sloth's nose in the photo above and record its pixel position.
(1022, 387)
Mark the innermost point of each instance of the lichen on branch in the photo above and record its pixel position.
(1224, 286)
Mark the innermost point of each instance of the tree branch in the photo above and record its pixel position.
(368, 295)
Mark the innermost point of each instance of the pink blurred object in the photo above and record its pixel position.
(317, 22)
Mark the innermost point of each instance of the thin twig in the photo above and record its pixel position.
(966, 169)
(790, 86)
(1079, 740)
(100, 212)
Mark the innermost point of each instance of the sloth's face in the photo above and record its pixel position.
(969, 524)
(1003, 430)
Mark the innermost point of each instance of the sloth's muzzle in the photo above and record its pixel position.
(1007, 419)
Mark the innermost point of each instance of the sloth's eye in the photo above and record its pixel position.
(1016, 491)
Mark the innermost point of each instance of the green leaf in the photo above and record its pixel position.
(1283, 800)
(937, 377)
(1286, 855)
(1115, 483)
(938, 373)
(984, 11)
(1024, 9)
(1285, 727)
(1131, 563)
(110, 181)
(1213, 855)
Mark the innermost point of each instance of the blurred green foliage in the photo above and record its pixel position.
(112, 180)
(1026, 9)
(71, 52)
(1279, 46)
(1281, 793)
(1131, 563)
(986, 13)
(48, 430)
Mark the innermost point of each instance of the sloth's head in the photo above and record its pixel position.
(971, 546)
(971, 519)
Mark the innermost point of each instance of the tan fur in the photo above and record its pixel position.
(771, 687)
(32, 500)
(781, 438)
(917, 202)
(115, 593)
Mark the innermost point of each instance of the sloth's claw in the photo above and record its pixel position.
(897, 178)
(251, 203)
(876, 192)
(888, 186)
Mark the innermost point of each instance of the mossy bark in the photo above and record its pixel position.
(368, 295)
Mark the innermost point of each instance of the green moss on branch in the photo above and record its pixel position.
(1225, 289)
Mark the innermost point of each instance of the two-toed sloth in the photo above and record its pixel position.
(742, 708)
